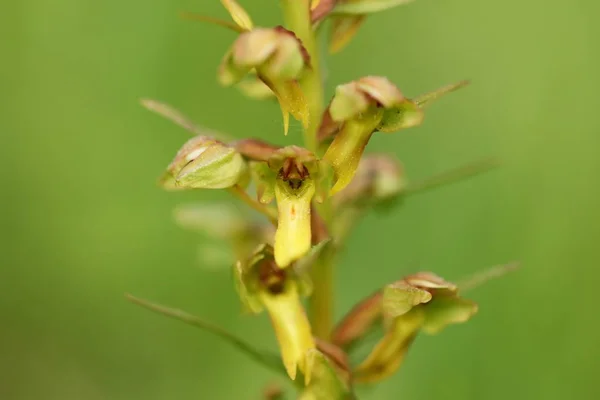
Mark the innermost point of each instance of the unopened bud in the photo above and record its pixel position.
(204, 163)
(378, 179)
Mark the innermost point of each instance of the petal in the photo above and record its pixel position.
(405, 115)
(348, 102)
(238, 14)
(400, 297)
(444, 311)
(293, 235)
(346, 150)
(255, 47)
(381, 89)
(229, 73)
(291, 327)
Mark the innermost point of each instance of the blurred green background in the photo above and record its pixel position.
(83, 221)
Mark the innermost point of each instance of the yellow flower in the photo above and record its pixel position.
(262, 284)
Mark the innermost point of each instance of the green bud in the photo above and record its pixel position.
(378, 179)
(204, 163)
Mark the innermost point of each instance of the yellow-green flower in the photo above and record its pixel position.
(359, 109)
(278, 58)
(296, 172)
(263, 285)
(422, 302)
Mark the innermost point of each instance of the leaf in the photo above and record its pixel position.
(367, 6)
(266, 359)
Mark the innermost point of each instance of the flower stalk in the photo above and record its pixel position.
(309, 199)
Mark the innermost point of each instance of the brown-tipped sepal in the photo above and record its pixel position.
(204, 163)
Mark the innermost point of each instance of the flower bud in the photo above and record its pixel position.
(296, 171)
(378, 179)
(279, 59)
(262, 284)
(348, 16)
(204, 163)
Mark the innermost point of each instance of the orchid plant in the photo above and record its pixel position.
(311, 195)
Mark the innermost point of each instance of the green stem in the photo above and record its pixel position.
(321, 301)
(297, 18)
